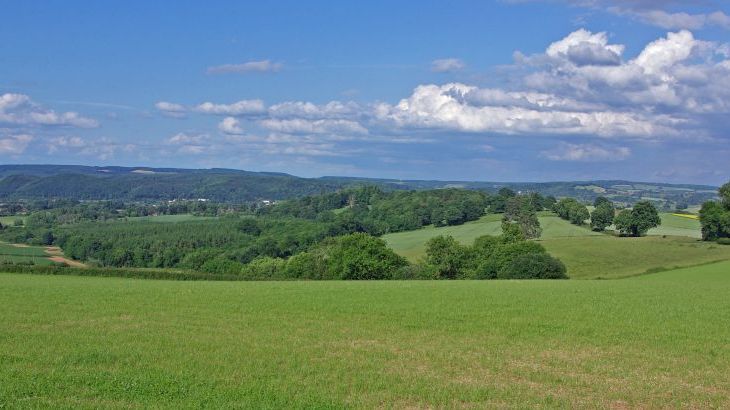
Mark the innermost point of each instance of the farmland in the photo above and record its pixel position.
(23, 254)
(644, 341)
(587, 254)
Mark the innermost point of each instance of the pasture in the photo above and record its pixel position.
(588, 254)
(85, 342)
(10, 253)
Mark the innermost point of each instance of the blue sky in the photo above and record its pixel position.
(463, 90)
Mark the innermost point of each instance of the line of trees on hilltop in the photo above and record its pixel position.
(715, 217)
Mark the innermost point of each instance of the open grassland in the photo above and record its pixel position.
(10, 253)
(678, 225)
(651, 341)
(588, 254)
(611, 257)
(411, 244)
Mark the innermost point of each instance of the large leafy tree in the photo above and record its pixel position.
(715, 216)
(637, 221)
(602, 216)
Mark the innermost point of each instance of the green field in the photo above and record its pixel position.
(588, 254)
(411, 244)
(14, 254)
(678, 226)
(10, 220)
(651, 341)
(612, 257)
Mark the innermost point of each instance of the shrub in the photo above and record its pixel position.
(533, 266)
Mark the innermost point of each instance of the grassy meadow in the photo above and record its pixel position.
(588, 254)
(10, 253)
(86, 342)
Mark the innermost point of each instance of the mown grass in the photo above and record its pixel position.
(678, 226)
(610, 257)
(651, 341)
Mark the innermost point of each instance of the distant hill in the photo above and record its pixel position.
(230, 185)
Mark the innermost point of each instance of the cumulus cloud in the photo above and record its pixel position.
(447, 65)
(263, 66)
(585, 48)
(240, 108)
(15, 144)
(445, 107)
(586, 152)
(230, 125)
(20, 110)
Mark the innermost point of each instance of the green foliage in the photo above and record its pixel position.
(637, 221)
(715, 216)
(450, 259)
(572, 210)
(602, 216)
(534, 266)
(369, 209)
(491, 258)
(521, 211)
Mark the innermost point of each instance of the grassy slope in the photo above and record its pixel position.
(411, 244)
(612, 257)
(650, 341)
(677, 226)
(589, 254)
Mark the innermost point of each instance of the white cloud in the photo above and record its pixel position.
(240, 108)
(444, 107)
(230, 125)
(101, 148)
(20, 110)
(15, 144)
(263, 66)
(585, 48)
(586, 152)
(303, 126)
(171, 109)
(447, 65)
(308, 110)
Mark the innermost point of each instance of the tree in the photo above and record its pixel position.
(578, 213)
(725, 195)
(450, 258)
(601, 200)
(637, 221)
(534, 266)
(602, 216)
(520, 210)
(715, 221)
